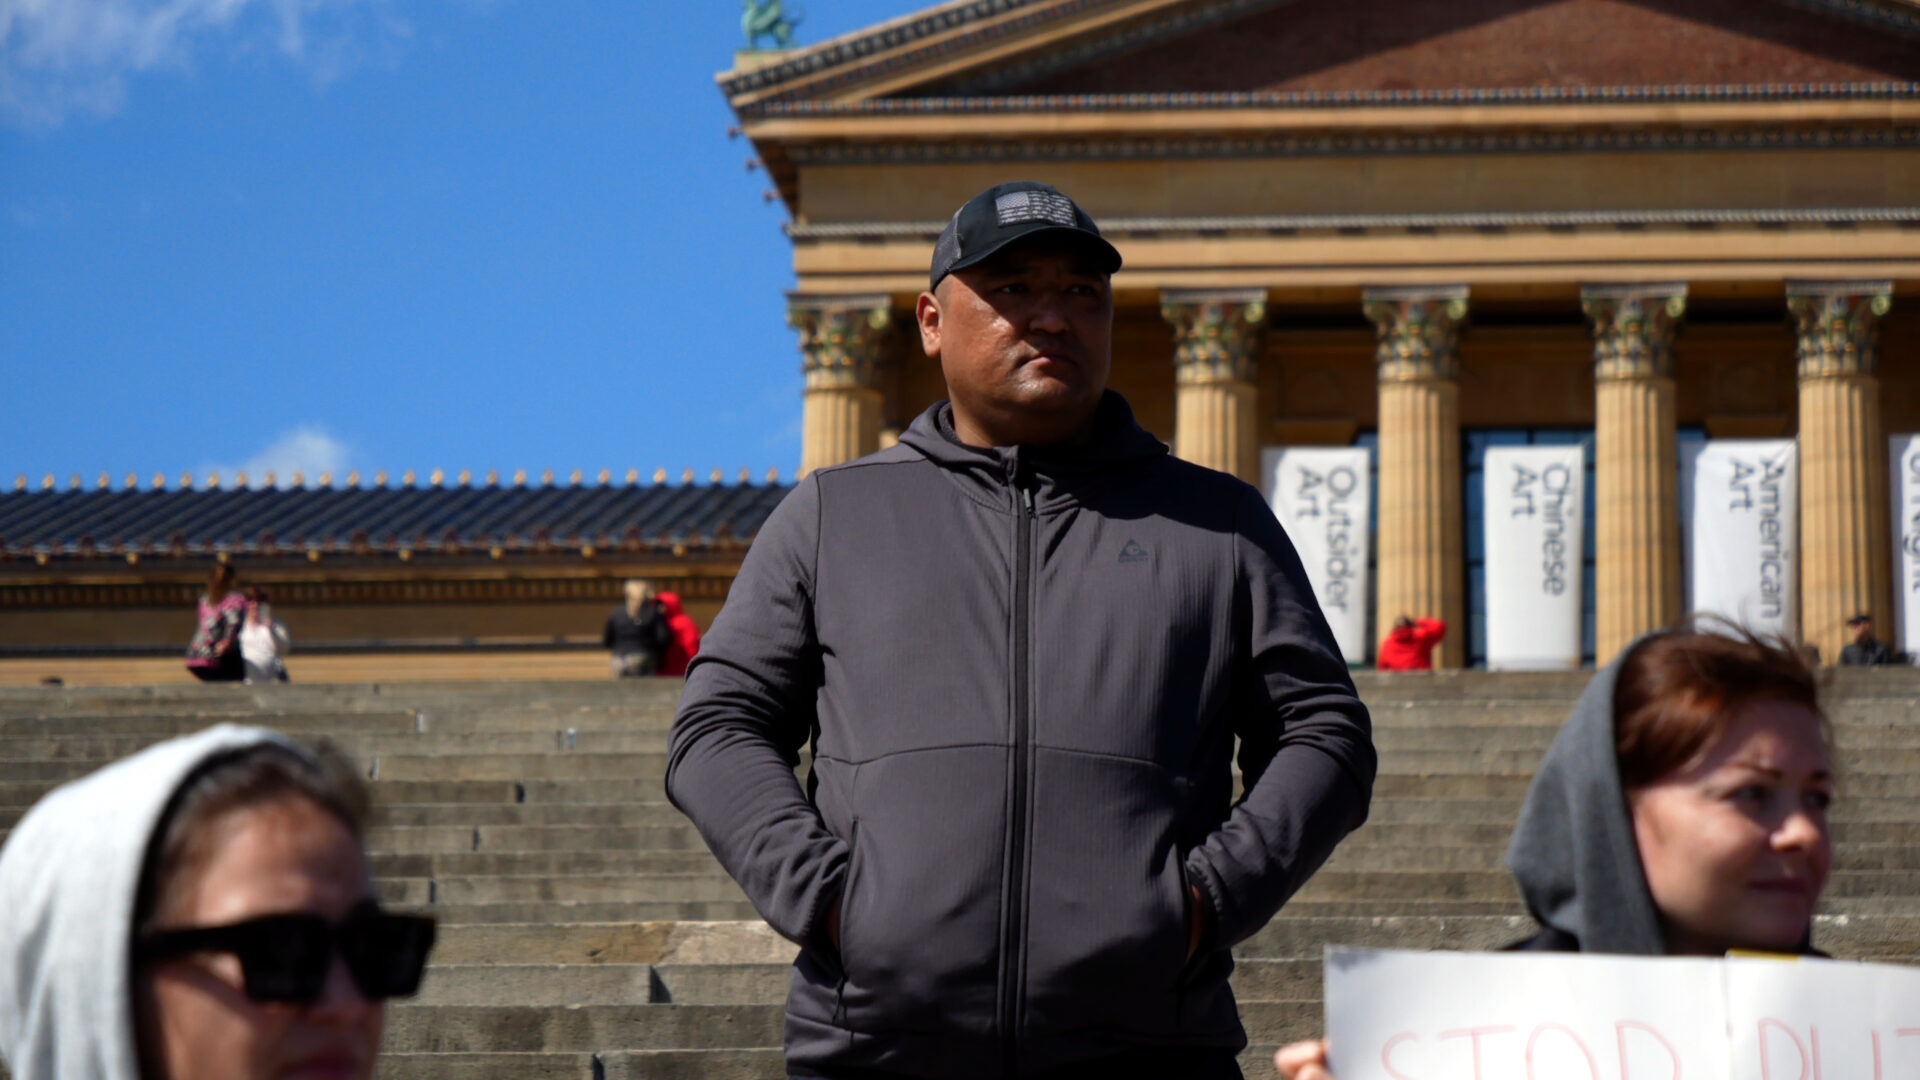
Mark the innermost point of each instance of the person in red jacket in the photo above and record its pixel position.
(1409, 646)
(683, 638)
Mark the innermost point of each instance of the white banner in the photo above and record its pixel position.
(1906, 542)
(1535, 498)
(1321, 496)
(1741, 502)
(1568, 1016)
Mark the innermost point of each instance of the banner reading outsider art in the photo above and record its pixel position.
(1535, 496)
(1321, 496)
(1740, 500)
(1906, 541)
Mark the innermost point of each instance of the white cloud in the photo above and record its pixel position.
(60, 57)
(307, 449)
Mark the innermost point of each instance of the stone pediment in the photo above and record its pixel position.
(1399, 45)
(1022, 48)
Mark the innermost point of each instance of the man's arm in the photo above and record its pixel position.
(1429, 631)
(746, 712)
(1306, 750)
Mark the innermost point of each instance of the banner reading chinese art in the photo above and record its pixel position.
(1906, 542)
(1534, 499)
(1321, 496)
(1740, 499)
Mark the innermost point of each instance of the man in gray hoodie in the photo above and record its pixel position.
(1024, 643)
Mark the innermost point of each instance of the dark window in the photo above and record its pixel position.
(1371, 440)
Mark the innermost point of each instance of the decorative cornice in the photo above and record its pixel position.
(1838, 325)
(1297, 223)
(181, 594)
(1360, 144)
(1216, 333)
(1879, 14)
(1633, 328)
(1186, 101)
(851, 50)
(840, 338)
(299, 481)
(1417, 330)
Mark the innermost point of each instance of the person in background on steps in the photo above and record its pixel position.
(202, 910)
(1028, 645)
(263, 641)
(683, 637)
(1682, 810)
(636, 632)
(1865, 649)
(214, 653)
(1409, 645)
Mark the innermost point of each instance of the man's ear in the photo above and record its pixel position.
(926, 312)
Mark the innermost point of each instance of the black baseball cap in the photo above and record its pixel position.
(1014, 211)
(1858, 619)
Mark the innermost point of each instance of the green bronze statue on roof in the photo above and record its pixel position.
(769, 18)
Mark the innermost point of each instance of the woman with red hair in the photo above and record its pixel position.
(1682, 810)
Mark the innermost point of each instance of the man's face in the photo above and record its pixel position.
(1862, 630)
(1025, 340)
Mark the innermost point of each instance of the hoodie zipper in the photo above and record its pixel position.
(1010, 965)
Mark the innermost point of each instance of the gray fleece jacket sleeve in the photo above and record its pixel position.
(1306, 749)
(747, 711)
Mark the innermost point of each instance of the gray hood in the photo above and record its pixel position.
(68, 875)
(1573, 853)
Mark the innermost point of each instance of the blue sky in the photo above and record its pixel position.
(387, 235)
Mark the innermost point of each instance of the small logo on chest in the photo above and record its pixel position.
(1133, 552)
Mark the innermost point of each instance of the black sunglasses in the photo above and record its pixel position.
(285, 958)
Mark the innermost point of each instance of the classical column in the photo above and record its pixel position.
(840, 339)
(1636, 465)
(1422, 571)
(1844, 552)
(1216, 346)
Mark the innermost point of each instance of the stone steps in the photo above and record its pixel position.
(586, 933)
(1375, 836)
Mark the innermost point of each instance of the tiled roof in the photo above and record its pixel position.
(406, 519)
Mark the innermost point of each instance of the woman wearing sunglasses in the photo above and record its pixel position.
(1682, 810)
(201, 910)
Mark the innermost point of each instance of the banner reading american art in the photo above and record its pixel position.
(1740, 500)
(1534, 496)
(1321, 496)
(1906, 541)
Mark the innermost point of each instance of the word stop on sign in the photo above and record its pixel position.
(1535, 1016)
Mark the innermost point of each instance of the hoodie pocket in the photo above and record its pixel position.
(1108, 910)
(920, 913)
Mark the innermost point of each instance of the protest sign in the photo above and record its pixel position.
(1906, 542)
(1823, 1020)
(1522, 1016)
(1741, 503)
(1534, 498)
(1321, 496)
(1395, 1015)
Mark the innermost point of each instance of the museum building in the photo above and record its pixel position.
(1430, 230)
(1427, 229)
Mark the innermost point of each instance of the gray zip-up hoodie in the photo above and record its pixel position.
(1026, 671)
(68, 875)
